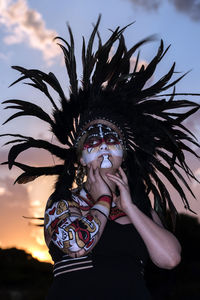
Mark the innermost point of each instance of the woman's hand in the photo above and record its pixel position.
(124, 201)
(95, 184)
(163, 247)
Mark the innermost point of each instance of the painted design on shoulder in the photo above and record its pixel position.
(80, 234)
(82, 200)
(54, 214)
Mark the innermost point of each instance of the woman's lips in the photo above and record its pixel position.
(104, 154)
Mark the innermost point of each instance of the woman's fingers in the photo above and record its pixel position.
(96, 173)
(91, 176)
(115, 179)
(123, 175)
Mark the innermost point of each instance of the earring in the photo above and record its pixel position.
(80, 175)
(83, 163)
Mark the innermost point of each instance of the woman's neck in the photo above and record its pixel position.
(104, 173)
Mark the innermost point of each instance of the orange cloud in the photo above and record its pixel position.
(26, 25)
(17, 201)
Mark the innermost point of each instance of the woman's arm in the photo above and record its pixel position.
(72, 232)
(163, 247)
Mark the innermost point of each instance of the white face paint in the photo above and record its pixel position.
(102, 144)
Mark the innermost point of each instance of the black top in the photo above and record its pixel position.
(115, 268)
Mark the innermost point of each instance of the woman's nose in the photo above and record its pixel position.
(103, 146)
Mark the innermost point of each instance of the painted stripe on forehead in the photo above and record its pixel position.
(100, 126)
(101, 133)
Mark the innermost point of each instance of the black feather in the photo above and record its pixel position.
(150, 119)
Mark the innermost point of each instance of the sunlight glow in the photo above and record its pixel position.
(41, 255)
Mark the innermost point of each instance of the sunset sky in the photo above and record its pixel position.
(27, 29)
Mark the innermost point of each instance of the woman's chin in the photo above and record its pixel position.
(110, 170)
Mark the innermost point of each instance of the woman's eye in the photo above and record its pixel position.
(93, 142)
(111, 140)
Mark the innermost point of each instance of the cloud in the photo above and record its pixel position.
(17, 201)
(148, 4)
(26, 25)
(2, 191)
(27, 200)
(39, 192)
(14, 203)
(34, 157)
(3, 56)
(197, 175)
(188, 7)
(12, 195)
(192, 123)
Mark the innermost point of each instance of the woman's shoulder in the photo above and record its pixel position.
(56, 200)
(78, 198)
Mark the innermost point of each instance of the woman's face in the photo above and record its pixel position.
(102, 148)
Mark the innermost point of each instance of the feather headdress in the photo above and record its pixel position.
(150, 121)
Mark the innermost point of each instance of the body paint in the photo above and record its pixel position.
(106, 163)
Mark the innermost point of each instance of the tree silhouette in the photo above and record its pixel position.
(23, 277)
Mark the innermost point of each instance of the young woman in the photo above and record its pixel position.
(123, 143)
(99, 239)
